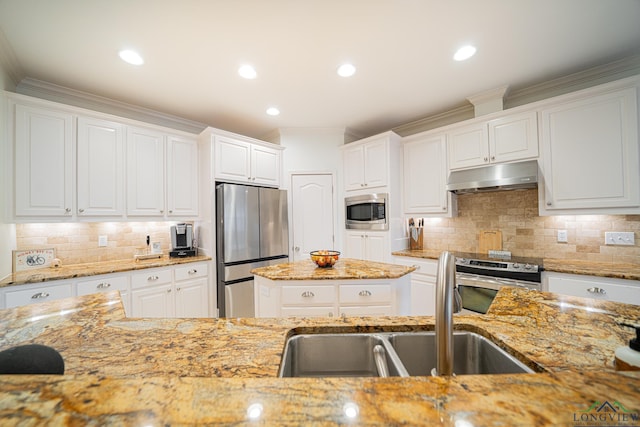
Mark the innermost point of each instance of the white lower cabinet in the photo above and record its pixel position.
(156, 293)
(177, 291)
(422, 297)
(367, 245)
(329, 298)
(601, 288)
(31, 294)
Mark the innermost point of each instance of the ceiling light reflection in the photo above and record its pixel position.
(248, 72)
(131, 57)
(346, 70)
(254, 411)
(350, 410)
(273, 111)
(465, 52)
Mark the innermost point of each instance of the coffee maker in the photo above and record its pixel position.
(182, 241)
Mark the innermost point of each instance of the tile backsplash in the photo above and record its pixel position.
(77, 243)
(524, 233)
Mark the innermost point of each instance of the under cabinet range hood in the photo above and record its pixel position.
(498, 177)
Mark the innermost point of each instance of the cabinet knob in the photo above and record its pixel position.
(67, 210)
(170, 210)
(308, 294)
(596, 290)
(297, 249)
(331, 314)
(548, 203)
(40, 295)
(103, 285)
(364, 293)
(194, 271)
(161, 211)
(493, 157)
(486, 159)
(178, 289)
(343, 315)
(80, 210)
(168, 291)
(152, 278)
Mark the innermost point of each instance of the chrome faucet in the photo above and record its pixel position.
(448, 301)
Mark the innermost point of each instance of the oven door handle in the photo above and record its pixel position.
(478, 281)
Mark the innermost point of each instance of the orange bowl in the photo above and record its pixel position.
(325, 258)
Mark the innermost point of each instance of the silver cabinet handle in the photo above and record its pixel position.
(548, 203)
(40, 295)
(194, 271)
(103, 285)
(308, 294)
(364, 293)
(152, 278)
(596, 290)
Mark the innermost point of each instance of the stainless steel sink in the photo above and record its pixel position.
(472, 354)
(392, 354)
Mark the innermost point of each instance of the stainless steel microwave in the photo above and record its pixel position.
(367, 212)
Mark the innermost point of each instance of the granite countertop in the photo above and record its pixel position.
(344, 269)
(92, 269)
(123, 371)
(591, 268)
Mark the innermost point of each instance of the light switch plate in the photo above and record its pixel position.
(562, 236)
(102, 241)
(619, 238)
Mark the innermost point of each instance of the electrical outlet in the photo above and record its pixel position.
(102, 241)
(562, 236)
(619, 238)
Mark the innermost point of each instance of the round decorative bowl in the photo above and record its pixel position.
(324, 259)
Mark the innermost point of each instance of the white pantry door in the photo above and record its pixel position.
(312, 212)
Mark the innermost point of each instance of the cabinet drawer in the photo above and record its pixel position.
(151, 277)
(103, 285)
(365, 294)
(191, 271)
(40, 294)
(306, 295)
(629, 294)
(327, 311)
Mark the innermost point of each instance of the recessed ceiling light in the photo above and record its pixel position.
(465, 52)
(131, 57)
(273, 111)
(346, 70)
(247, 71)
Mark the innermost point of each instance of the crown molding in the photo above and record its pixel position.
(600, 74)
(77, 98)
(9, 61)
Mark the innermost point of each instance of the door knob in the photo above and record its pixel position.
(297, 248)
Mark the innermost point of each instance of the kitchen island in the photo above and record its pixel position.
(126, 371)
(351, 287)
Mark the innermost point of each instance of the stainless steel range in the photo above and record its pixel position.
(479, 277)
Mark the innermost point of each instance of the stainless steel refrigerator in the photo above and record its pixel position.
(251, 231)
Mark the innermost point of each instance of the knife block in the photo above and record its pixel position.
(415, 238)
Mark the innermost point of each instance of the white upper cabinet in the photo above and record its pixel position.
(100, 168)
(590, 152)
(366, 165)
(425, 175)
(505, 139)
(182, 176)
(44, 169)
(242, 161)
(145, 172)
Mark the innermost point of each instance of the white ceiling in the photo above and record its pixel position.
(402, 49)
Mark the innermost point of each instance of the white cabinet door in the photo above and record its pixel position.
(353, 166)
(155, 301)
(425, 175)
(265, 166)
(376, 160)
(354, 245)
(232, 159)
(590, 149)
(107, 283)
(44, 169)
(145, 172)
(423, 297)
(468, 146)
(371, 310)
(377, 247)
(100, 168)
(192, 298)
(182, 176)
(514, 137)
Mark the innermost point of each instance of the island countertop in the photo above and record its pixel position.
(129, 371)
(344, 269)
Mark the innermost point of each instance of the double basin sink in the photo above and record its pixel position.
(400, 354)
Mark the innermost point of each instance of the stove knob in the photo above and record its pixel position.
(516, 265)
(463, 261)
(528, 267)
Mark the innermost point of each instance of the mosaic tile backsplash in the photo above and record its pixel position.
(524, 233)
(77, 243)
